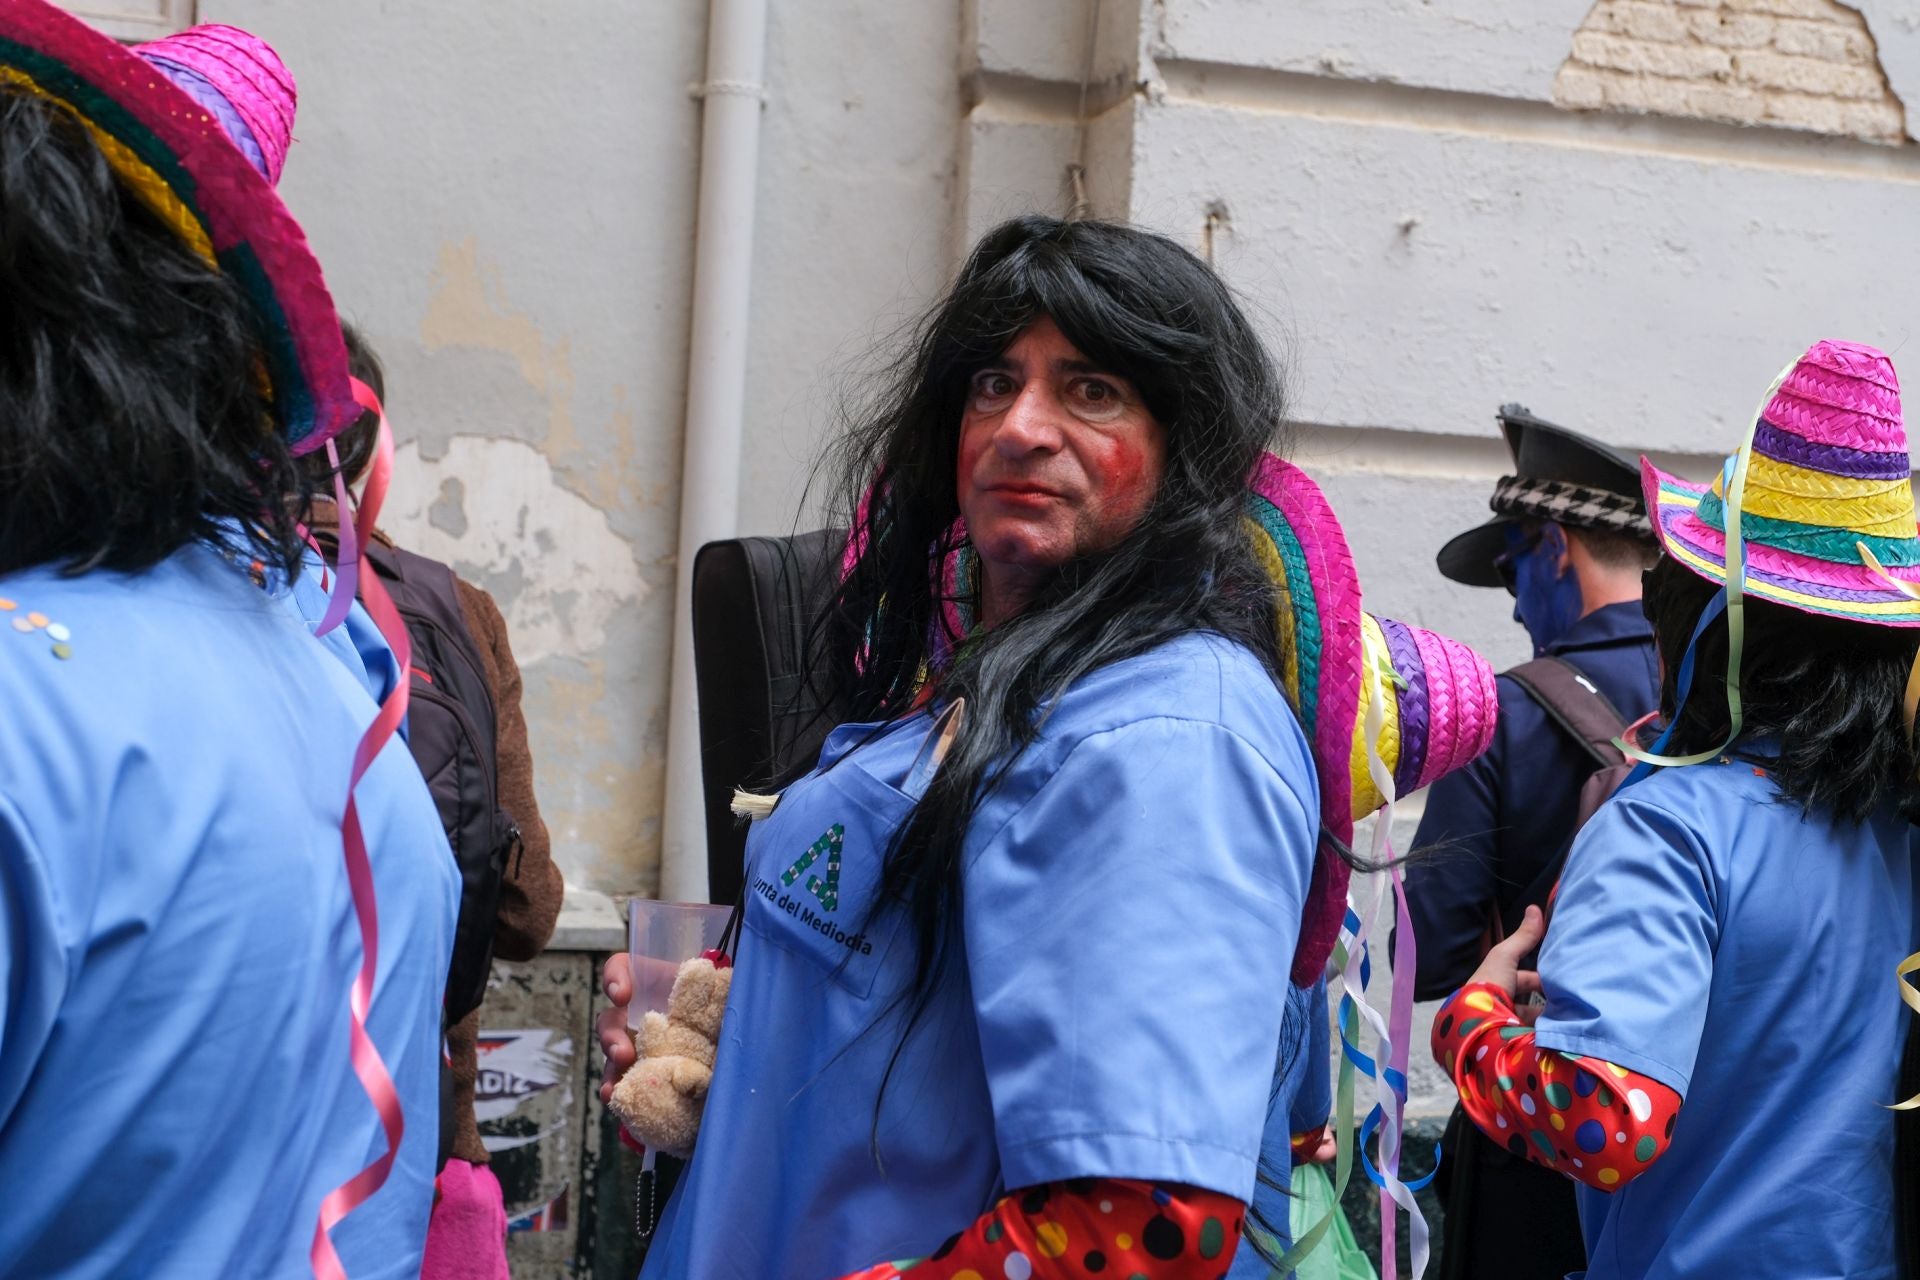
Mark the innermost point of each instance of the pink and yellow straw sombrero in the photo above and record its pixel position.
(1439, 704)
(1829, 474)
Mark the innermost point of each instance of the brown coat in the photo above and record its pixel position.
(530, 897)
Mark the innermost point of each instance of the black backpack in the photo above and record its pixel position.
(451, 731)
(761, 720)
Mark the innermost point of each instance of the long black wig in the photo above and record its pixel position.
(132, 416)
(1825, 695)
(1146, 310)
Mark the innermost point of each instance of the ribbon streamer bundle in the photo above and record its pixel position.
(367, 1062)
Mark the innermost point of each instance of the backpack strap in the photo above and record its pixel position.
(1574, 703)
(1585, 715)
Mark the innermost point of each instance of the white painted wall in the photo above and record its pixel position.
(1428, 237)
(503, 195)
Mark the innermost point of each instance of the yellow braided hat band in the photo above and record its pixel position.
(1783, 491)
(146, 183)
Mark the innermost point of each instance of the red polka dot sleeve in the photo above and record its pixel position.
(1089, 1226)
(1597, 1123)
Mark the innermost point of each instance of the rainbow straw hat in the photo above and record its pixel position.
(1441, 705)
(197, 126)
(1829, 473)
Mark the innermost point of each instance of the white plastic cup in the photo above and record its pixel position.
(661, 936)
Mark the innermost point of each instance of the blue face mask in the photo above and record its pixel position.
(1546, 597)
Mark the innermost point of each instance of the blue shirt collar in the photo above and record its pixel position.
(1608, 625)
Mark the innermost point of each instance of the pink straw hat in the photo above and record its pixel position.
(1829, 473)
(197, 127)
(1438, 713)
(240, 79)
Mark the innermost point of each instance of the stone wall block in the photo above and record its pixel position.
(1806, 75)
(1881, 121)
(1642, 57)
(1730, 103)
(1817, 10)
(1830, 42)
(1732, 30)
(1657, 96)
(1641, 20)
(1579, 88)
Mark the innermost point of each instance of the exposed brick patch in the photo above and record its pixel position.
(1793, 64)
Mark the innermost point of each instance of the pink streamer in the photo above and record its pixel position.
(367, 1063)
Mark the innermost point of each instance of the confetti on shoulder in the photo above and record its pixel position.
(34, 622)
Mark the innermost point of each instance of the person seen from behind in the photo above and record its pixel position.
(185, 1091)
(1721, 1039)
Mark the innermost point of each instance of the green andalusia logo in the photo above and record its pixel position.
(826, 890)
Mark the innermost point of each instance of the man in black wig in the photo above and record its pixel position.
(1015, 973)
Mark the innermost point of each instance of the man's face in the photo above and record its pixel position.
(1058, 459)
(1546, 590)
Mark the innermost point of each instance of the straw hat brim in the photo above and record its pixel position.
(180, 163)
(1850, 591)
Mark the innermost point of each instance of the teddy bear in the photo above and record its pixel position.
(660, 1097)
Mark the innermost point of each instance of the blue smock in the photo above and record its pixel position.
(1493, 825)
(1709, 936)
(177, 937)
(1114, 1002)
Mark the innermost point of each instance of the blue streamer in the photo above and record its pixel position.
(1367, 1127)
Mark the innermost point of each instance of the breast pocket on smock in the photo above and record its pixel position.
(813, 870)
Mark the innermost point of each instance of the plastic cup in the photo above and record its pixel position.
(660, 937)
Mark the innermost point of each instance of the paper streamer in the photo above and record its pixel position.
(1907, 967)
(1393, 1032)
(367, 1063)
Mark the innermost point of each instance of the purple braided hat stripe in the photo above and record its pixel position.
(208, 95)
(245, 72)
(1404, 650)
(1834, 459)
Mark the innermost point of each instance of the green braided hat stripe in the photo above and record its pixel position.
(1820, 542)
(1306, 611)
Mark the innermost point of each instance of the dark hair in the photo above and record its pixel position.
(132, 417)
(354, 446)
(1615, 550)
(1828, 692)
(1147, 310)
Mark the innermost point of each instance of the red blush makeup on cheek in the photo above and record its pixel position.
(1121, 468)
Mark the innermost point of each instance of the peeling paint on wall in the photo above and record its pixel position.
(496, 511)
(601, 769)
(1793, 64)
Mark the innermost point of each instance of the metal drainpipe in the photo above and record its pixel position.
(716, 395)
